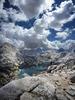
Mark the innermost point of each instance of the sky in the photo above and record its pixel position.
(34, 24)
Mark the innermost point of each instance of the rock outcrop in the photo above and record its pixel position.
(9, 63)
(65, 61)
(57, 86)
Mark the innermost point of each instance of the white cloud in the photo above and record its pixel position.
(57, 18)
(28, 9)
(73, 29)
(36, 36)
(63, 14)
(1, 4)
(62, 35)
(16, 15)
(31, 38)
(11, 13)
(68, 44)
(17, 43)
(3, 15)
(31, 8)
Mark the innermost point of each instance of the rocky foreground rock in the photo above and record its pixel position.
(46, 86)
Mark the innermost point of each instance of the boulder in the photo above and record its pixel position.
(28, 88)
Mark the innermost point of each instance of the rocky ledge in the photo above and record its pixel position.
(45, 86)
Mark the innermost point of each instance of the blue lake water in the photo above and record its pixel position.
(32, 70)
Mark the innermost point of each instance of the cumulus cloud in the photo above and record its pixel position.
(68, 44)
(1, 4)
(36, 36)
(32, 8)
(62, 35)
(17, 43)
(27, 9)
(63, 14)
(60, 16)
(14, 15)
(30, 38)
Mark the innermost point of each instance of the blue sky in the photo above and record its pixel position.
(37, 24)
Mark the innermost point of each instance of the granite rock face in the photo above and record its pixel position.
(28, 88)
(9, 63)
(45, 86)
(65, 61)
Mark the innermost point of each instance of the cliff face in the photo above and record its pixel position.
(9, 63)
